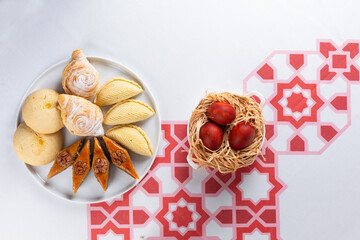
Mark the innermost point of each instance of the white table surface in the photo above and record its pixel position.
(181, 49)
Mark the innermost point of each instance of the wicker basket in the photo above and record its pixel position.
(226, 159)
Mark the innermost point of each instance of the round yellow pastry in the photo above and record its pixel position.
(34, 148)
(40, 113)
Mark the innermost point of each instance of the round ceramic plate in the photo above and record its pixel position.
(90, 190)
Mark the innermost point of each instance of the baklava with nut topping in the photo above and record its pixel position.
(100, 165)
(65, 158)
(81, 166)
(120, 157)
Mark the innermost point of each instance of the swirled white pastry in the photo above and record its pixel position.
(116, 90)
(80, 78)
(128, 111)
(131, 137)
(80, 116)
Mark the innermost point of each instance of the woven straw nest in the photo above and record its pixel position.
(226, 159)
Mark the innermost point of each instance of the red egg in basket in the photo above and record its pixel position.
(242, 135)
(211, 135)
(222, 113)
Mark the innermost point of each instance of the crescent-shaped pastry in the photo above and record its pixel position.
(116, 90)
(65, 158)
(100, 165)
(128, 111)
(131, 137)
(120, 157)
(80, 78)
(81, 166)
(80, 116)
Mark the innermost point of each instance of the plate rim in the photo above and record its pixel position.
(127, 70)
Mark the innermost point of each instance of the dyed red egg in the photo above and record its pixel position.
(242, 135)
(221, 113)
(211, 135)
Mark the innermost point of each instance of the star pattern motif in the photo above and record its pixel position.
(339, 61)
(291, 104)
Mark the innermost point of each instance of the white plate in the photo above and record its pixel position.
(90, 190)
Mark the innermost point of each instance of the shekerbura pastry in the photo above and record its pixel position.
(128, 111)
(34, 148)
(81, 166)
(40, 113)
(80, 78)
(120, 157)
(100, 165)
(80, 116)
(65, 158)
(131, 137)
(116, 90)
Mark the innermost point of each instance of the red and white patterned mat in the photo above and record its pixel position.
(306, 110)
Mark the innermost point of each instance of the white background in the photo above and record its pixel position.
(180, 48)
